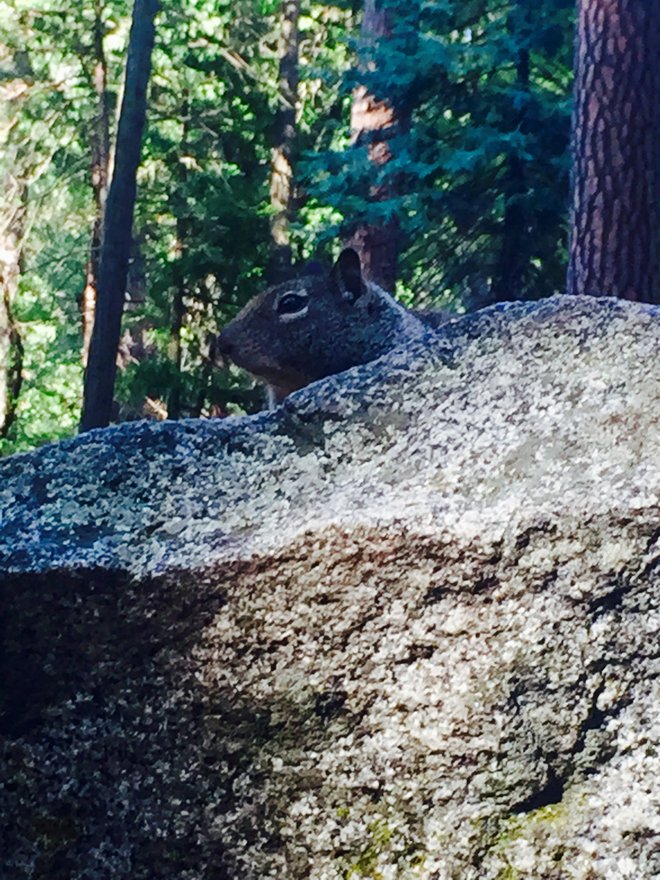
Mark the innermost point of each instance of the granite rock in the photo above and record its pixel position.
(404, 626)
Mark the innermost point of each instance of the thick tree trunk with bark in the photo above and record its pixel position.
(100, 141)
(616, 187)
(375, 121)
(284, 142)
(120, 205)
(12, 229)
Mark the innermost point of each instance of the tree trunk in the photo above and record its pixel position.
(115, 250)
(616, 120)
(375, 121)
(100, 139)
(284, 140)
(178, 303)
(509, 271)
(13, 222)
(12, 229)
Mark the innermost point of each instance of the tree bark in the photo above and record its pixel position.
(616, 119)
(118, 223)
(375, 121)
(100, 141)
(12, 230)
(284, 142)
(13, 217)
(178, 302)
(509, 271)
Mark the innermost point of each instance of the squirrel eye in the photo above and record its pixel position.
(291, 303)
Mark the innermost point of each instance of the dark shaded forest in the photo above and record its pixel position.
(433, 136)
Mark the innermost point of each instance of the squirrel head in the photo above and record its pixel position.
(313, 326)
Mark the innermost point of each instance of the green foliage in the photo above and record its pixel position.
(49, 405)
(477, 113)
(488, 143)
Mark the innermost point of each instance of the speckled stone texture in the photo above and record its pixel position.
(405, 626)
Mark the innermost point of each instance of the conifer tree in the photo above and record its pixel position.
(118, 223)
(284, 143)
(380, 119)
(96, 66)
(616, 129)
(12, 231)
(13, 221)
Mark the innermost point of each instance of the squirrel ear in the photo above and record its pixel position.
(346, 276)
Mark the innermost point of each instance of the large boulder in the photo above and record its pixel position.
(405, 626)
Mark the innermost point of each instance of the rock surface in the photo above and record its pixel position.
(405, 626)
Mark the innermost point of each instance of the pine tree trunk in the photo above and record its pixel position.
(178, 303)
(375, 121)
(616, 119)
(284, 142)
(175, 348)
(12, 229)
(510, 267)
(100, 138)
(115, 250)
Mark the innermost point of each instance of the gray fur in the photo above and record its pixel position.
(343, 321)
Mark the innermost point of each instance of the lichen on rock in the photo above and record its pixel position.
(405, 626)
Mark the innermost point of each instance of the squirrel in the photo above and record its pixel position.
(317, 325)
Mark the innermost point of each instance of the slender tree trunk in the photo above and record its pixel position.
(387, 26)
(100, 138)
(115, 250)
(13, 221)
(175, 348)
(178, 302)
(616, 121)
(12, 230)
(284, 140)
(509, 272)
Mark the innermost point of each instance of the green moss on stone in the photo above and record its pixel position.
(528, 827)
(380, 844)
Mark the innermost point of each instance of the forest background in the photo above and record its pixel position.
(254, 161)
